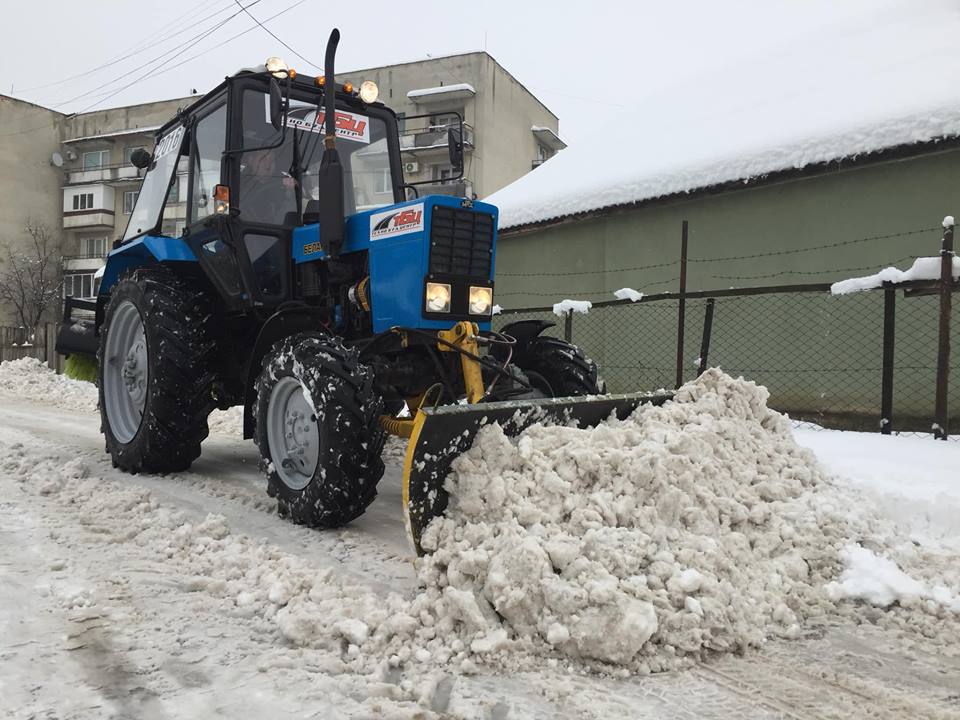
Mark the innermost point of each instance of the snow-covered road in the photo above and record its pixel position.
(106, 610)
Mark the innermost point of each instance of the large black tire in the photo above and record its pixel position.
(344, 421)
(558, 368)
(178, 326)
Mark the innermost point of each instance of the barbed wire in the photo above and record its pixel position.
(795, 251)
(813, 272)
(729, 258)
(591, 272)
(559, 293)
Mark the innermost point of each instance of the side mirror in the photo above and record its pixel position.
(276, 105)
(140, 158)
(455, 147)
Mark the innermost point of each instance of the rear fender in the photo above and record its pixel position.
(278, 326)
(145, 250)
(523, 331)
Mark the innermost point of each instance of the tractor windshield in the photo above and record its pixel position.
(156, 184)
(276, 184)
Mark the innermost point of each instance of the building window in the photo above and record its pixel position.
(83, 201)
(129, 200)
(80, 285)
(442, 121)
(383, 183)
(93, 247)
(96, 159)
(442, 175)
(174, 195)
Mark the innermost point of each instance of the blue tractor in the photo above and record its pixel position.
(309, 287)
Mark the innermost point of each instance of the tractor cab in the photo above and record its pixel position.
(252, 150)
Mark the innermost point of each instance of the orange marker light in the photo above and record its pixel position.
(292, 73)
(320, 80)
(348, 87)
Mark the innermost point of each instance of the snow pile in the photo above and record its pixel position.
(879, 581)
(923, 268)
(568, 306)
(853, 78)
(29, 379)
(628, 294)
(694, 528)
(227, 422)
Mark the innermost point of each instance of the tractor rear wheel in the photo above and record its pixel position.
(318, 430)
(558, 368)
(156, 371)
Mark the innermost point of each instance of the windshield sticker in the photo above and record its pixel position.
(349, 126)
(396, 222)
(170, 142)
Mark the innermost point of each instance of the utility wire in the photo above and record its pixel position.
(159, 58)
(158, 37)
(172, 67)
(228, 40)
(271, 34)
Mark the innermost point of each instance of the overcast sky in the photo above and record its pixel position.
(581, 59)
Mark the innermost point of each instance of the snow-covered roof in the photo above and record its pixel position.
(860, 83)
(115, 133)
(446, 91)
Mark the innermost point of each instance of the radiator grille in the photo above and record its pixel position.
(461, 242)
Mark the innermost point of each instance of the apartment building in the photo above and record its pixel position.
(73, 172)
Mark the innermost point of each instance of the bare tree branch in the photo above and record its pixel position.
(31, 275)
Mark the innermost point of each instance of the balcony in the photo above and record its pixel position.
(433, 139)
(123, 172)
(88, 219)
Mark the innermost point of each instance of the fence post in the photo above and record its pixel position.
(682, 307)
(568, 326)
(705, 341)
(941, 411)
(886, 374)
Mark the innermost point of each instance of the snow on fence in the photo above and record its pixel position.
(16, 343)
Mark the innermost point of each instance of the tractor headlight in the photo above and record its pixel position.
(438, 297)
(481, 300)
(369, 92)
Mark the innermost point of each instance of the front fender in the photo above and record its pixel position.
(523, 331)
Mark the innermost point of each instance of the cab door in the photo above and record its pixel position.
(208, 233)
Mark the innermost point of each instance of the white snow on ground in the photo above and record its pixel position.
(868, 76)
(30, 379)
(628, 294)
(567, 306)
(923, 268)
(687, 531)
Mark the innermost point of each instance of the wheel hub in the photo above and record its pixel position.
(292, 434)
(125, 374)
(134, 370)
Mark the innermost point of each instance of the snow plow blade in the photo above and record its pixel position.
(442, 434)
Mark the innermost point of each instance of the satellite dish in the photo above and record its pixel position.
(56, 159)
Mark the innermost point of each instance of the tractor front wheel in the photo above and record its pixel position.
(558, 368)
(318, 430)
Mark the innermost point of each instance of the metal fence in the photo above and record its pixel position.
(864, 361)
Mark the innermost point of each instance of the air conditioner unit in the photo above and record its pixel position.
(411, 167)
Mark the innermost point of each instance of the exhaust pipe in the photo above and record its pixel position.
(330, 182)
